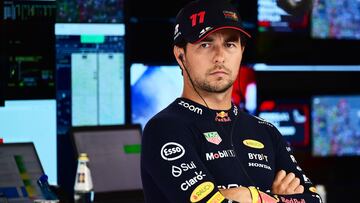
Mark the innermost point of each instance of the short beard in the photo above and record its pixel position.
(213, 88)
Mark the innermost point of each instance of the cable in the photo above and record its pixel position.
(191, 81)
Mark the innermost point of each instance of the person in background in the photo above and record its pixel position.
(201, 148)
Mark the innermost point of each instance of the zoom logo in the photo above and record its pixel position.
(191, 107)
(172, 151)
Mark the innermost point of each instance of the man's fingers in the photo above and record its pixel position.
(279, 177)
(289, 177)
(287, 184)
(294, 184)
(299, 189)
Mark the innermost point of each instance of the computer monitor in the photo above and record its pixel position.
(291, 117)
(90, 73)
(153, 87)
(32, 121)
(305, 68)
(335, 125)
(19, 171)
(335, 19)
(95, 11)
(114, 154)
(283, 16)
(29, 55)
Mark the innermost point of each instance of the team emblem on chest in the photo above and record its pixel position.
(213, 137)
(222, 117)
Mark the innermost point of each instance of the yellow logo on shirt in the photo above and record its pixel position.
(201, 191)
(253, 144)
(216, 198)
(312, 189)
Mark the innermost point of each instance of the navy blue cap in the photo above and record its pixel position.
(200, 18)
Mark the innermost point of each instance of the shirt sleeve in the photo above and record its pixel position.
(285, 160)
(170, 159)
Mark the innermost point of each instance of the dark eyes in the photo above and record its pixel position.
(205, 45)
(227, 44)
(230, 44)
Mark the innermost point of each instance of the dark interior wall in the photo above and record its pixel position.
(296, 84)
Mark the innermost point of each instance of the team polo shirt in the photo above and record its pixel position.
(189, 152)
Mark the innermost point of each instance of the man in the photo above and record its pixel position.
(201, 148)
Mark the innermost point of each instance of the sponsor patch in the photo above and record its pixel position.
(293, 158)
(292, 200)
(312, 189)
(176, 31)
(192, 108)
(201, 191)
(172, 151)
(220, 154)
(235, 110)
(222, 117)
(213, 137)
(253, 144)
(188, 183)
(177, 171)
(260, 157)
(257, 165)
(204, 31)
(306, 179)
(216, 198)
(230, 15)
(263, 121)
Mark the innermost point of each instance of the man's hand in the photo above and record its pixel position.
(239, 194)
(286, 184)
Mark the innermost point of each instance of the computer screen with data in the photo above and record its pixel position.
(335, 125)
(32, 121)
(114, 154)
(90, 74)
(95, 11)
(335, 19)
(283, 16)
(291, 117)
(27, 35)
(19, 171)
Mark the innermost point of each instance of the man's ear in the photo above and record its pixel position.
(179, 54)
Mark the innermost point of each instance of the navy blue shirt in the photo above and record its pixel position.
(189, 152)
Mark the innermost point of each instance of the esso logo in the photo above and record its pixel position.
(172, 151)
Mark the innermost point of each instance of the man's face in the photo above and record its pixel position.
(214, 62)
